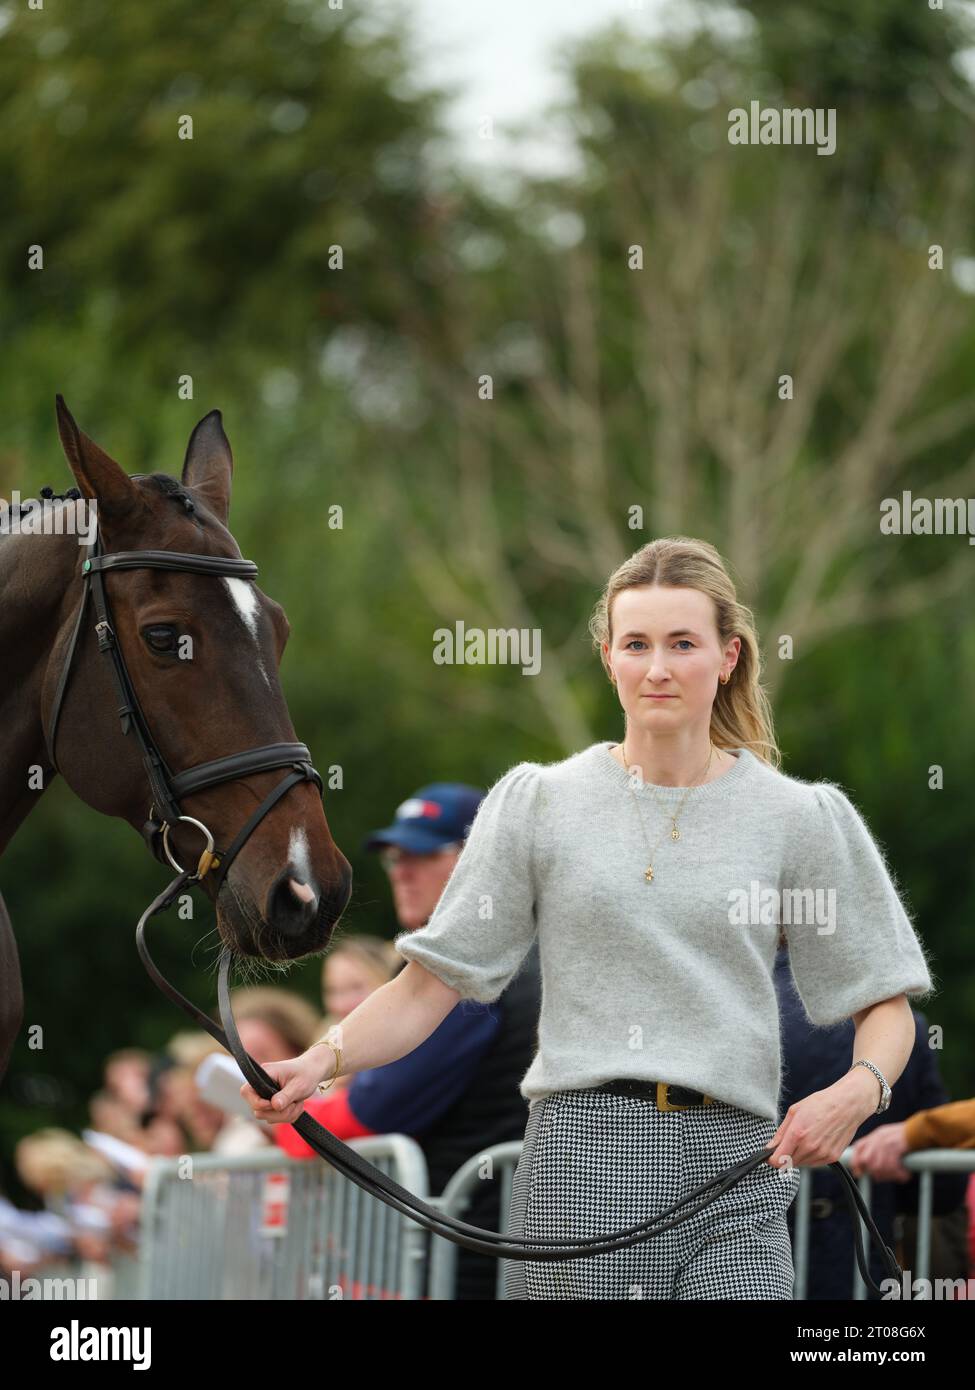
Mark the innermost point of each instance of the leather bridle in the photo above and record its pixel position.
(168, 789)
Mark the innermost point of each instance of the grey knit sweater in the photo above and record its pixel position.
(670, 980)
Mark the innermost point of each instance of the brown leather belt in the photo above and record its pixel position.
(664, 1095)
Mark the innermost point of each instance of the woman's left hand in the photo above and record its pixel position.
(818, 1129)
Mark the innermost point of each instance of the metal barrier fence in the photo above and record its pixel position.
(266, 1226)
(500, 1159)
(926, 1163)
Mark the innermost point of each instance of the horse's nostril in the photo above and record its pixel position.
(292, 905)
(301, 891)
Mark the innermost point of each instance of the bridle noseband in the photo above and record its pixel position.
(169, 789)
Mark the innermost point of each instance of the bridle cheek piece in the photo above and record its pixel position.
(169, 789)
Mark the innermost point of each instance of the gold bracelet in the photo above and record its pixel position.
(337, 1054)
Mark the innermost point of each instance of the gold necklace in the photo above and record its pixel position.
(674, 832)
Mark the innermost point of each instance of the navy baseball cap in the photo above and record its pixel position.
(436, 815)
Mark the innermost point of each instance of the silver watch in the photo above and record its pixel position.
(885, 1091)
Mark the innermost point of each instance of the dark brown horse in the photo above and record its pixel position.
(290, 883)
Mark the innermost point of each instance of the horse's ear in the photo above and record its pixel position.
(98, 476)
(209, 465)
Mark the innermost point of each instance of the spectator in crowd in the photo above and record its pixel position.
(126, 1075)
(950, 1126)
(272, 1023)
(814, 1058)
(80, 1186)
(110, 1115)
(31, 1240)
(164, 1133)
(879, 1153)
(269, 1018)
(202, 1122)
(353, 968)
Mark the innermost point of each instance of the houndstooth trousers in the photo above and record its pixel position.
(594, 1163)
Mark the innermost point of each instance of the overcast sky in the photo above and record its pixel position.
(499, 54)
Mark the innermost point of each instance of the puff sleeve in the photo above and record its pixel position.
(858, 947)
(484, 923)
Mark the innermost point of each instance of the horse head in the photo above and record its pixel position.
(202, 653)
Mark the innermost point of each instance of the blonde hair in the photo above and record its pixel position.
(55, 1160)
(376, 955)
(128, 1054)
(741, 716)
(189, 1049)
(281, 1009)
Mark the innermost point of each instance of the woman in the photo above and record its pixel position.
(655, 873)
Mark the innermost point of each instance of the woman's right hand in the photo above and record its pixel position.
(298, 1079)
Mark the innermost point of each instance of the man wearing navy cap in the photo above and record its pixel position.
(419, 850)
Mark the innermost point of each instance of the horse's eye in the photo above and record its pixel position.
(160, 639)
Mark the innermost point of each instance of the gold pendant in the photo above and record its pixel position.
(649, 874)
(675, 833)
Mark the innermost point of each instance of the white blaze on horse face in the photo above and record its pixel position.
(245, 601)
(300, 861)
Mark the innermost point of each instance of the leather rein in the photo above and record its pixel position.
(167, 791)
